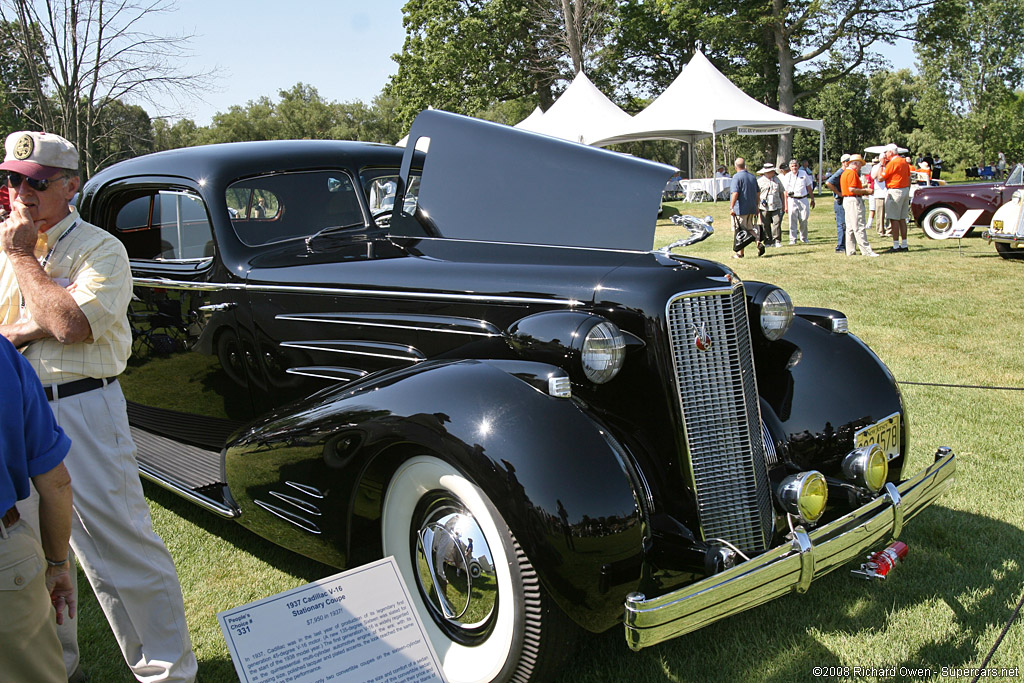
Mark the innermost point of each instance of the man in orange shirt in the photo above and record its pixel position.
(896, 174)
(853, 191)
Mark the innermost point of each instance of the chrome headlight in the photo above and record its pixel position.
(867, 466)
(1017, 196)
(604, 350)
(804, 495)
(776, 314)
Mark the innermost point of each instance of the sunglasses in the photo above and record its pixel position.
(15, 180)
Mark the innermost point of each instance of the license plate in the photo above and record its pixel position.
(885, 432)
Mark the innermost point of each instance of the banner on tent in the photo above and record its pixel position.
(774, 130)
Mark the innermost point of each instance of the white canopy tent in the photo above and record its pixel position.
(581, 114)
(701, 103)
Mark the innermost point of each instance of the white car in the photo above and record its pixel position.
(1007, 229)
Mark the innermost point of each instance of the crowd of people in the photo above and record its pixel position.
(864, 195)
(69, 483)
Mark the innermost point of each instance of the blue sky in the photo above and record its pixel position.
(342, 48)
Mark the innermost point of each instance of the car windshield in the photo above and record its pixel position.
(1017, 177)
(292, 205)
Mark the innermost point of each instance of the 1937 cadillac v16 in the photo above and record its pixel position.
(471, 360)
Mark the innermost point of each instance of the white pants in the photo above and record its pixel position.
(856, 228)
(799, 211)
(112, 535)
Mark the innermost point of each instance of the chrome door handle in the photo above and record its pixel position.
(217, 308)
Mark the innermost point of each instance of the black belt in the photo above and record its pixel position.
(11, 516)
(79, 386)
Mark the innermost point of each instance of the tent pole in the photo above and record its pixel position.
(714, 153)
(821, 149)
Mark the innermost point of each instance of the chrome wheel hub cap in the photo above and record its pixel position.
(455, 568)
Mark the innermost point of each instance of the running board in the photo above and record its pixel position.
(191, 472)
(160, 479)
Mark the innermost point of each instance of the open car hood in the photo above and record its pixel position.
(485, 181)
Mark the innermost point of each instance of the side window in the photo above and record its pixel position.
(381, 186)
(285, 206)
(165, 226)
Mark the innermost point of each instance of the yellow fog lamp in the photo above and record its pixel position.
(867, 466)
(804, 495)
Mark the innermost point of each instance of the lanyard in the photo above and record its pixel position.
(46, 259)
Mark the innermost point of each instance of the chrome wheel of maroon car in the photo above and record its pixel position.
(497, 626)
(939, 222)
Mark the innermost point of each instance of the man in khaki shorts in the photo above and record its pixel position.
(896, 175)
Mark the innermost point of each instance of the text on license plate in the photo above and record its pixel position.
(885, 432)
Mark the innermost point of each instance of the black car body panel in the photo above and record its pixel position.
(295, 346)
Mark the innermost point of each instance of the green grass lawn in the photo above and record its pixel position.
(943, 314)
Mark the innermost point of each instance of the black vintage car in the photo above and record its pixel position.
(473, 361)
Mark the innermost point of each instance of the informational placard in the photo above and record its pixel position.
(352, 627)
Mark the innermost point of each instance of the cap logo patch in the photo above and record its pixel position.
(24, 147)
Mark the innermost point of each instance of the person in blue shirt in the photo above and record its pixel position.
(32, 599)
(743, 204)
(837, 205)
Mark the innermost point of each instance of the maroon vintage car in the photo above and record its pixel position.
(937, 209)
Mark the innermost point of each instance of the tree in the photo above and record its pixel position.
(124, 131)
(800, 46)
(969, 51)
(467, 55)
(93, 53)
(15, 88)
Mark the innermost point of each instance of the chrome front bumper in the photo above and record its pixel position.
(787, 568)
(991, 235)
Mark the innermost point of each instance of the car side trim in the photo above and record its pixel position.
(339, 291)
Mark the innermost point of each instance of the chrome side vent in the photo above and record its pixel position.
(714, 372)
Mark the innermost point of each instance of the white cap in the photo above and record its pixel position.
(38, 155)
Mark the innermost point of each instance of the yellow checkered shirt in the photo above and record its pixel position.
(97, 264)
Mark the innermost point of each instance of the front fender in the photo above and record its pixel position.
(822, 387)
(561, 482)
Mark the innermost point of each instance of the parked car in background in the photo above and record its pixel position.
(937, 209)
(552, 428)
(1007, 229)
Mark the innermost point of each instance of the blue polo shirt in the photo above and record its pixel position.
(31, 442)
(745, 183)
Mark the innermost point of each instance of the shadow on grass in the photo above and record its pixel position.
(968, 565)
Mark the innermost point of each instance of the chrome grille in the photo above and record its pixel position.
(722, 422)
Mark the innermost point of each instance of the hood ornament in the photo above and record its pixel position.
(701, 337)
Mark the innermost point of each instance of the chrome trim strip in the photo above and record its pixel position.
(447, 324)
(324, 372)
(306, 488)
(779, 570)
(492, 298)
(412, 355)
(183, 490)
(301, 504)
(185, 284)
(524, 244)
(340, 291)
(289, 517)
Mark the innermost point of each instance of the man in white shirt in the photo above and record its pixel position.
(797, 184)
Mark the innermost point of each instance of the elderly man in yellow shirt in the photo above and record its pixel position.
(65, 286)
